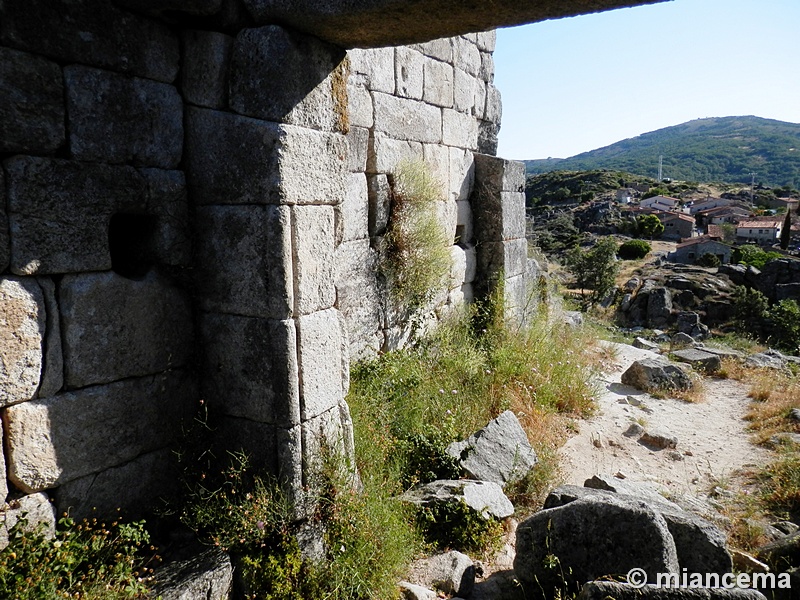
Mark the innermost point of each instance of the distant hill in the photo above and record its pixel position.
(704, 150)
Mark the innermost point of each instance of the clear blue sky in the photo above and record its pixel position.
(573, 85)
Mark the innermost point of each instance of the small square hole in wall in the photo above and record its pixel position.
(130, 241)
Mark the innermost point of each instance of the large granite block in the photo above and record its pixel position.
(408, 68)
(36, 509)
(358, 149)
(91, 32)
(509, 257)
(329, 433)
(464, 86)
(255, 440)
(313, 264)
(54, 440)
(438, 83)
(494, 105)
(250, 368)
(385, 153)
(466, 55)
(53, 372)
(462, 174)
(486, 40)
(322, 358)
(244, 260)
(170, 241)
(358, 298)
(437, 160)
(379, 195)
(113, 118)
(404, 119)
(459, 129)
(441, 49)
(59, 212)
(22, 339)
(355, 209)
(204, 76)
(374, 67)
(114, 327)
(32, 106)
(232, 159)
(287, 77)
(359, 104)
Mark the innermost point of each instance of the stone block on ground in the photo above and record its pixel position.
(699, 359)
(658, 438)
(54, 440)
(410, 591)
(22, 339)
(59, 212)
(114, 327)
(204, 72)
(452, 573)
(484, 497)
(36, 509)
(644, 344)
(117, 119)
(312, 90)
(592, 537)
(32, 111)
(500, 452)
(653, 374)
(254, 245)
(207, 574)
(250, 368)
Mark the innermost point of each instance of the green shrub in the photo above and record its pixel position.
(417, 256)
(594, 269)
(781, 484)
(785, 317)
(634, 249)
(89, 559)
(753, 256)
(709, 260)
(455, 525)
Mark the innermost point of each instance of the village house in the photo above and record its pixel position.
(663, 203)
(676, 225)
(721, 214)
(690, 251)
(761, 232)
(709, 203)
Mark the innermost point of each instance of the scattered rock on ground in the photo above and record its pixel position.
(451, 573)
(644, 344)
(742, 561)
(658, 439)
(601, 590)
(653, 374)
(500, 452)
(485, 497)
(207, 573)
(409, 591)
(681, 339)
(765, 360)
(699, 359)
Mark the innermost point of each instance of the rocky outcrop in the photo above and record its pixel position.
(656, 374)
(484, 497)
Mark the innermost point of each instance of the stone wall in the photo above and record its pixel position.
(189, 210)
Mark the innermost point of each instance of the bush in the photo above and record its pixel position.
(634, 249)
(785, 317)
(649, 226)
(709, 260)
(594, 269)
(416, 247)
(753, 256)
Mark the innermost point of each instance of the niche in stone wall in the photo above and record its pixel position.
(130, 242)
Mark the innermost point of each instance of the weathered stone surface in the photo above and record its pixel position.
(681, 340)
(644, 344)
(259, 441)
(410, 591)
(484, 497)
(55, 440)
(466, 55)
(117, 119)
(459, 129)
(5, 242)
(437, 159)
(763, 360)
(451, 572)
(464, 86)
(359, 105)
(116, 327)
(22, 338)
(313, 255)
(207, 573)
(53, 372)
(287, 77)
(170, 241)
(357, 297)
(600, 590)
(592, 537)
(385, 153)
(250, 368)
(378, 192)
(462, 174)
(321, 355)
(358, 149)
(508, 257)
(705, 361)
(36, 509)
(134, 487)
(438, 83)
(59, 212)
(408, 67)
(254, 245)
(32, 111)
(658, 439)
(232, 159)
(464, 226)
(656, 374)
(500, 452)
(659, 307)
(373, 67)
(355, 209)
(92, 33)
(372, 23)
(204, 72)
(404, 119)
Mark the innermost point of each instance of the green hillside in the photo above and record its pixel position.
(705, 150)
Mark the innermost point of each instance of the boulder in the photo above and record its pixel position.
(601, 590)
(500, 452)
(644, 344)
(206, 574)
(658, 439)
(766, 360)
(450, 573)
(681, 339)
(409, 591)
(656, 374)
(37, 511)
(558, 549)
(689, 323)
(659, 307)
(485, 497)
(699, 359)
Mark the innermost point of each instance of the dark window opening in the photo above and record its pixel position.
(459, 239)
(130, 241)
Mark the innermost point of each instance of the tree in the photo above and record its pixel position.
(633, 249)
(728, 232)
(786, 231)
(650, 226)
(594, 269)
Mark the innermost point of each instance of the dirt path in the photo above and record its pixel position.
(712, 442)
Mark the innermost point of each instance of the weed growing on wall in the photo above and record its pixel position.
(89, 559)
(416, 247)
